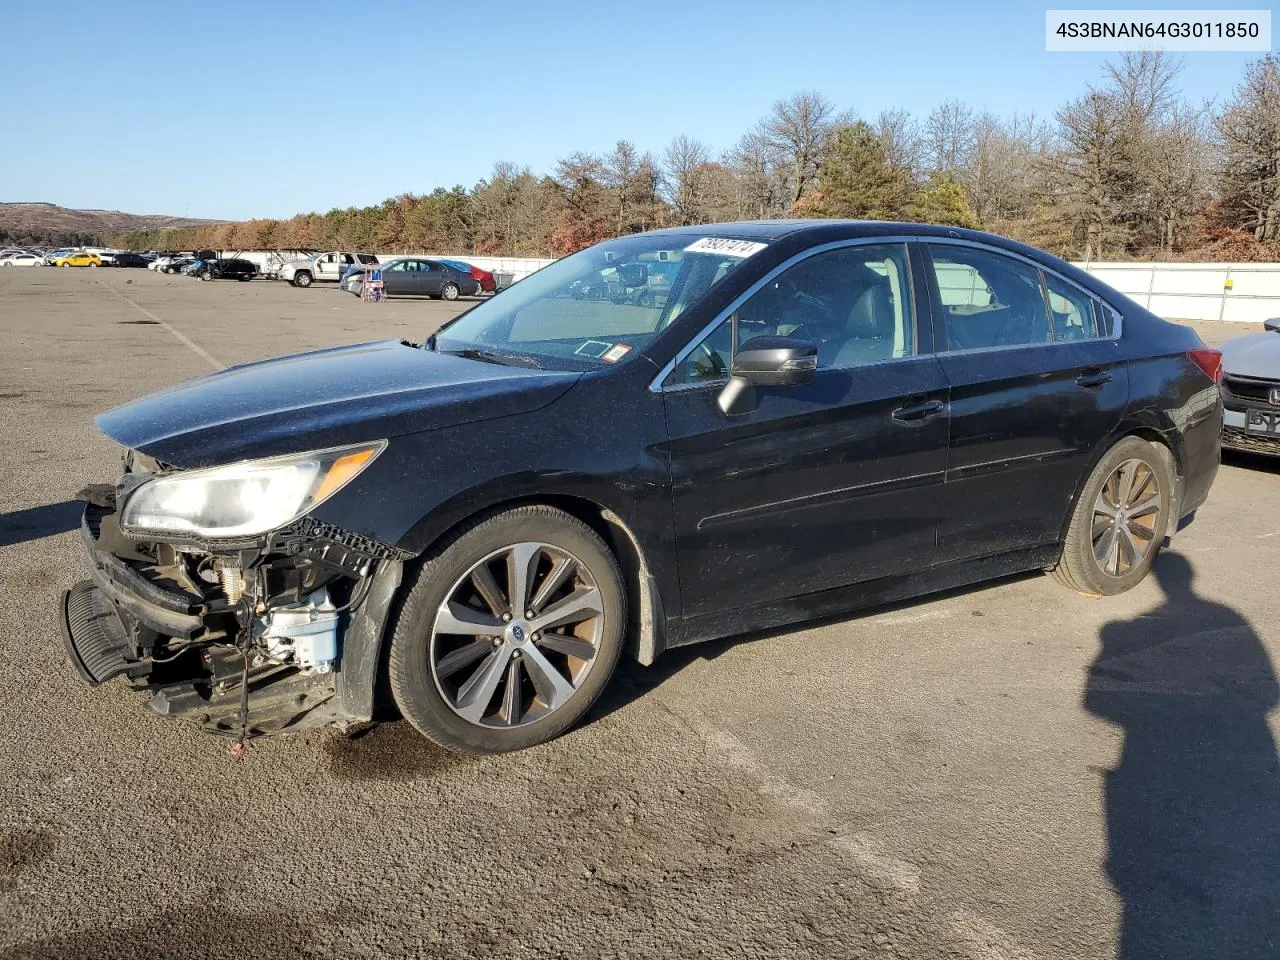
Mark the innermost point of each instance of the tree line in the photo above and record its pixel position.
(1129, 168)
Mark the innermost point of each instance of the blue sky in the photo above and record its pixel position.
(234, 110)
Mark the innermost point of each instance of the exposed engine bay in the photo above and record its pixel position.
(243, 635)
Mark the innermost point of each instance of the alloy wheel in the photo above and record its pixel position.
(516, 635)
(1126, 518)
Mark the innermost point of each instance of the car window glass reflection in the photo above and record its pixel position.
(853, 303)
(989, 300)
(1073, 317)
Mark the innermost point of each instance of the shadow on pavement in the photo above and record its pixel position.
(1250, 461)
(36, 522)
(1193, 809)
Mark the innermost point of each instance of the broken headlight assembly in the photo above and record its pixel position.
(243, 499)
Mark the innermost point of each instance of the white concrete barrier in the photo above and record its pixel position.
(1229, 292)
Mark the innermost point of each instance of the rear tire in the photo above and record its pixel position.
(434, 698)
(1119, 521)
(449, 291)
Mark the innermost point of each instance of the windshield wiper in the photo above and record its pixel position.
(488, 356)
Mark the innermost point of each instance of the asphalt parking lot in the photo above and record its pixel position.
(1008, 772)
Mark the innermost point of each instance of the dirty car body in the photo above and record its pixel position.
(252, 564)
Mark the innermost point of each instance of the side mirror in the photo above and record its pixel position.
(766, 362)
(776, 361)
(1273, 324)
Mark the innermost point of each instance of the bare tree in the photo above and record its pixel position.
(1094, 170)
(684, 178)
(760, 187)
(949, 136)
(632, 178)
(1003, 175)
(899, 133)
(1250, 130)
(1176, 172)
(796, 129)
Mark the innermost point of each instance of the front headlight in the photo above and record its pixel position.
(244, 499)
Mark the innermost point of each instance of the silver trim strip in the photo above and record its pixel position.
(656, 384)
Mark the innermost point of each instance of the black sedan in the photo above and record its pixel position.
(228, 270)
(130, 260)
(419, 277)
(814, 417)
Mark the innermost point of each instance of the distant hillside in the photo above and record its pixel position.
(33, 222)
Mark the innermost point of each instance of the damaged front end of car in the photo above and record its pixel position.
(217, 593)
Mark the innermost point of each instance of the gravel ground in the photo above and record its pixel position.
(1008, 772)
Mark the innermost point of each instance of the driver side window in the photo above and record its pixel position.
(853, 303)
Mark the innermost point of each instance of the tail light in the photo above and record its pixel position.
(1208, 360)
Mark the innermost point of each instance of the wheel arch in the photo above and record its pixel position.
(1146, 428)
(646, 627)
(363, 681)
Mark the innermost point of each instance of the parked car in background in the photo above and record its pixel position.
(232, 269)
(822, 416)
(193, 268)
(420, 277)
(483, 277)
(127, 259)
(53, 256)
(322, 267)
(1251, 392)
(177, 264)
(79, 259)
(21, 260)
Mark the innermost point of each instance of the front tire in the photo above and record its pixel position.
(449, 291)
(1119, 521)
(206, 275)
(301, 280)
(509, 632)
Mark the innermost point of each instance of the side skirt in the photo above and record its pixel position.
(861, 596)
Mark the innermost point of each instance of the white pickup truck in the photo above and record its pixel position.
(323, 266)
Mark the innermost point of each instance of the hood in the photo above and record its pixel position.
(323, 399)
(1257, 355)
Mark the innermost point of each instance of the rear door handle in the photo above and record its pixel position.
(1093, 378)
(917, 412)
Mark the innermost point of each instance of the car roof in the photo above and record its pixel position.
(835, 230)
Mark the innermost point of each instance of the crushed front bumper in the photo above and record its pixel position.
(192, 655)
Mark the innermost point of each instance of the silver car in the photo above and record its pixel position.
(1251, 392)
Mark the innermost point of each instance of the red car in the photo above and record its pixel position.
(485, 278)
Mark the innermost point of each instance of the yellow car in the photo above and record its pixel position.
(80, 259)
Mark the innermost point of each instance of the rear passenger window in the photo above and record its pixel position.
(989, 300)
(1073, 317)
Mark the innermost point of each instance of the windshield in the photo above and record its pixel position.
(599, 306)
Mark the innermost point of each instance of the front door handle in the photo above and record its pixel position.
(918, 412)
(1093, 378)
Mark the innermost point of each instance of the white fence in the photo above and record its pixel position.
(1231, 292)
